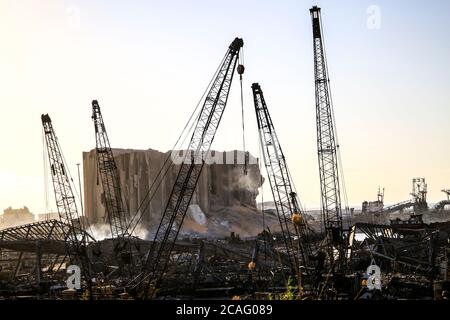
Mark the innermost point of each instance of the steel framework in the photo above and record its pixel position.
(285, 199)
(109, 175)
(65, 200)
(191, 167)
(419, 193)
(326, 145)
(416, 250)
(41, 243)
(42, 230)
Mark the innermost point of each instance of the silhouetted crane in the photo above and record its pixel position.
(112, 191)
(76, 235)
(292, 220)
(327, 148)
(190, 170)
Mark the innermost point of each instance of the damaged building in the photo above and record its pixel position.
(223, 196)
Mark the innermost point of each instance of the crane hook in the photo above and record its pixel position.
(240, 70)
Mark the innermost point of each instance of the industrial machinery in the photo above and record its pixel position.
(293, 224)
(112, 191)
(109, 175)
(419, 193)
(327, 150)
(398, 206)
(374, 206)
(75, 235)
(190, 170)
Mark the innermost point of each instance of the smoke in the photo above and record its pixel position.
(103, 231)
(195, 213)
(244, 182)
(142, 232)
(100, 231)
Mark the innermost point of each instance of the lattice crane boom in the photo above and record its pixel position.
(291, 218)
(109, 176)
(75, 235)
(327, 147)
(190, 169)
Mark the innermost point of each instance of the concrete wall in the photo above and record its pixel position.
(220, 185)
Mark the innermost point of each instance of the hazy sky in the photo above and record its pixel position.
(148, 62)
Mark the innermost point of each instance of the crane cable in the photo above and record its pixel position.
(241, 71)
(45, 164)
(262, 200)
(338, 153)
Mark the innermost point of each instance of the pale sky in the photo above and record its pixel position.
(148, 62)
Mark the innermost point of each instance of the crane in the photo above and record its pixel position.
(109, 175)
(190, 170)
(75, 236)
(291, 218)
(327, 148)
(111, 187)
